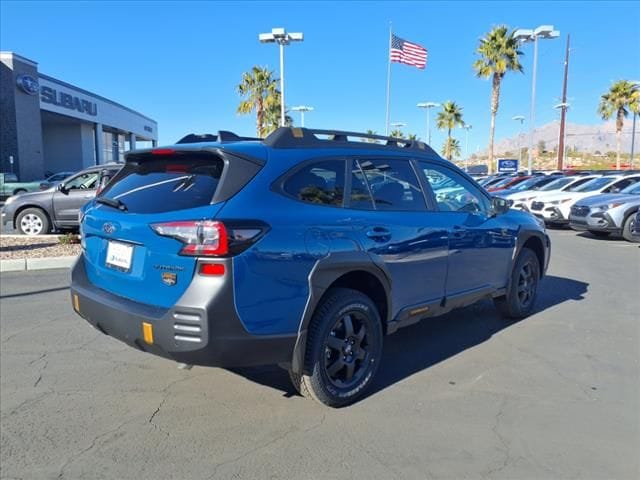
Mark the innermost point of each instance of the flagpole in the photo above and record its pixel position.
(388, 78)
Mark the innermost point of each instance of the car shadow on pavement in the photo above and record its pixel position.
(434, 340)
(607, 238)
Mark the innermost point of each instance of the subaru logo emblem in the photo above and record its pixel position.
(109, 228)
(28, 84)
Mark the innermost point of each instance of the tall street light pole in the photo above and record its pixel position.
(467, 127)
(519, 118)
(282, 38)
(563, 107)
(633, 131)
(428, 106)
(524, 36)
(302, 109)
(633, 139)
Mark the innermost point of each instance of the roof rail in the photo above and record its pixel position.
(222, 136)
(293, 137)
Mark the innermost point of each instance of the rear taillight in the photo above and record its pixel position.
(201, 238)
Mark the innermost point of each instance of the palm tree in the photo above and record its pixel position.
(257, 88)
(413, 136)
(272, 114)
(449, 118)
(499, 54)
(621, 97)
(451, 148)
(397, 133)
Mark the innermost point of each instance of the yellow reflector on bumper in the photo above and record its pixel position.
(76, 303)
(147, 332)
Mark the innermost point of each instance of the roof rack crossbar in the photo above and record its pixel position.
(293, 137)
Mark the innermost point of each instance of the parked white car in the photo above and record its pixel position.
(522, 199)
(554, 209)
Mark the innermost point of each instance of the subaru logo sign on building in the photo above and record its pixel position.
(506, 165)
(28, 84)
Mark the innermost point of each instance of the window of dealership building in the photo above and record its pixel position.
(48, 126)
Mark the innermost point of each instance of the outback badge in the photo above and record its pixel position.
(169, 278)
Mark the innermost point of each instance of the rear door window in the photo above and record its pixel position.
(392, 183)
(166, 183)
(319, 182)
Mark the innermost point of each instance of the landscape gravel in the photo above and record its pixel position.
(12, 247)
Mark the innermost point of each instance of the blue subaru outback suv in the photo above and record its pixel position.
(303, 249)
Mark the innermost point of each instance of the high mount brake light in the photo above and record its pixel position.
(201, 238)
(163, 151)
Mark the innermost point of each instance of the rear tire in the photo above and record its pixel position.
(344, 347)
(626, 228)
(599, 234)
(523, 287)
(33, 221)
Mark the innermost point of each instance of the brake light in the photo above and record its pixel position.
(201, 238)
(163, 151)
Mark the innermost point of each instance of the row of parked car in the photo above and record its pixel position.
(604, 203)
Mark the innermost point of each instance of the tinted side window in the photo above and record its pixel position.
(320, 182)
(453, 192)
(360, 196)
(83, 181)
(393, 184)
(622, 184)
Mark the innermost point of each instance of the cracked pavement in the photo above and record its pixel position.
(467, 395)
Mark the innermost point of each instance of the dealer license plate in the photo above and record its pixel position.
(119, 256)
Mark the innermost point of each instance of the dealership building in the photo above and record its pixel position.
(47, 125)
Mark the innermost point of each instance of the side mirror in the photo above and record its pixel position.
(500, 205)
(62, 189)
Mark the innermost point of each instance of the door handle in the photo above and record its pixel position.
(379, 233)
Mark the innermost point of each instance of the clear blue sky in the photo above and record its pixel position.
(179, 62)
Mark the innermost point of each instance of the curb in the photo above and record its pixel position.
(19, 235)
(46, 263)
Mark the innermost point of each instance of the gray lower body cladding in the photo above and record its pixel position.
(201, 329)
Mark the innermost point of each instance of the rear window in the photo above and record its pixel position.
(166, 183)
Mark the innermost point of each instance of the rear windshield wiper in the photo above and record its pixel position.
(186, 184)
(111, 202)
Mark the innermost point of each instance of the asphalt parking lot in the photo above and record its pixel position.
(467, 395)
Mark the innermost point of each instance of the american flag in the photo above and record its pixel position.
(408, 53)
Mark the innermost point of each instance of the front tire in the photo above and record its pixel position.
(523, 287)
(33, 221)
(344, 347)
(626, 228)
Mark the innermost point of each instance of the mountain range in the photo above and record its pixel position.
(585, 138)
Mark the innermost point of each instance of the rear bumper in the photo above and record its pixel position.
(203, 328)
